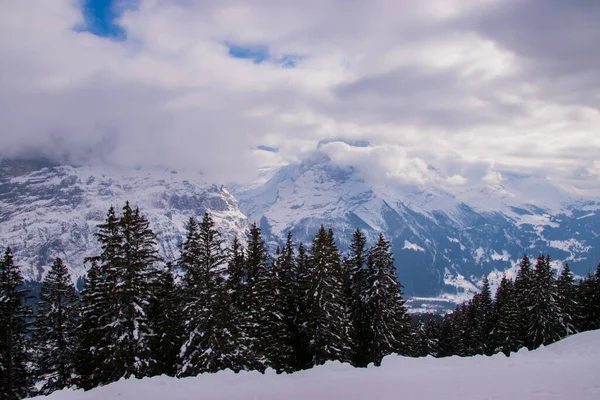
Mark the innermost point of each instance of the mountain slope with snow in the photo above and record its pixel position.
(569, 369)
(49, 211)
(445, 237)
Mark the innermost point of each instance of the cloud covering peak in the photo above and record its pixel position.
(460, 85)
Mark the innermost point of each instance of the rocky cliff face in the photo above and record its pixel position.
(49, 210)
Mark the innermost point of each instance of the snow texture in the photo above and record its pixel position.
(569, 369)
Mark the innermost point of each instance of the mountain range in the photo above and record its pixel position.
(445, 238)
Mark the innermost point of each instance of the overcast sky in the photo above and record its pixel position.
(465, 86)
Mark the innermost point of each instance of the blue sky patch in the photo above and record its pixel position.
(268, 148)
(259, 54)
(101, 15)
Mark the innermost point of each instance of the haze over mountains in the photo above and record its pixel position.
(445, 236)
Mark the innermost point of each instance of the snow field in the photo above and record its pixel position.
(569, 369)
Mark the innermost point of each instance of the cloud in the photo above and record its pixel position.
(463, 87)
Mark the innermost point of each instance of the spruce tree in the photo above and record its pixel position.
(460, 331)
(286, 298)
(210, 334)
(94, 363)
(268, 295)
(433, 329)
(326, 321)
(385, 310)
(446, 343)
(15, 377)
(127, 267)
(134, 292)
(166, 322)
(544, 314)
(588, 310)
(356, 285)
(236, 272)
(483, 323)
(421, 348)
(55, 336)
(93, 334)
(524, 297)
(302, 351)
(567, 301)
(506, 337)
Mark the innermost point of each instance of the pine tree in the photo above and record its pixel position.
(460, 331)
(433, 329)
(387, 316)
(94, 364)
(421, 348)
(356, 285)
(166, 322)
(210, 335)
(134, 292)
(15, 377)
(483, 323)
(446, 342)
(127, 268)
(93, 333)
(268, 296)
(523, 292)
(588, 310)
(326, 322)
(302, 351)
(55, 336)
(544, 314)
(506, 336)
(287, 292)
(236, 271)
(567, 301)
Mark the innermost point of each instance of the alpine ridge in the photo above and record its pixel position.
(445, 239)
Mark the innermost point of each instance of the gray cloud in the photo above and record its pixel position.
(462, 86)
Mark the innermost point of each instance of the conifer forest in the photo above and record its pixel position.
(239, 306)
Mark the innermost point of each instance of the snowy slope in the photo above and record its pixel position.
(52, 210)
(569, 369)
(445, 237)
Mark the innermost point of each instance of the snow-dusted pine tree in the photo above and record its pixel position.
(387, 316)
(210, 333)
(93, 332)
(567, 301)
(165, 319)
(326, 320)
(523, 292)
(544, 314)
(15, 377)
(356, 284)
(56, 324)
(127, 266)
(506, 335)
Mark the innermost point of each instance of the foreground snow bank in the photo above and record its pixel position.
(569, 369)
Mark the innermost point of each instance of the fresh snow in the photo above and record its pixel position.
(569, 369)
(411, 246)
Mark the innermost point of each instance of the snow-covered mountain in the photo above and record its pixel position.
(49, 210)
(445, 238)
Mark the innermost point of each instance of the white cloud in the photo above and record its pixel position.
(439, 85)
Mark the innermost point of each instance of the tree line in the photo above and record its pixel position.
(216, 307)
(536, 309)
(240, 307)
